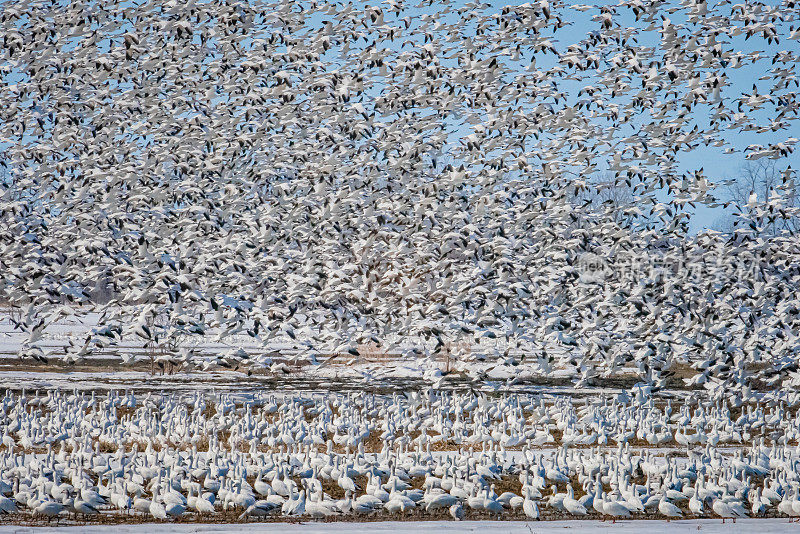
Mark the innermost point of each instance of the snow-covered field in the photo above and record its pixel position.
(707, 526)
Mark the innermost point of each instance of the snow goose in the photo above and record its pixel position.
(84, 508)
(475, 501)
(725, 510)
(157, 509)
(296, 505)
(7, 506)
(259, 509)
(398, 503)
(367, 503)
(345, 505)
(261, 487)
(758, 505)
(174, 508)
(571, 505)
(141, 505)
(442, 500)
(769, 493)
(317, 509)
(507, 497)
(786, 506)
(668, 509)
(612, 508)
(48, 509)
(556, 500)
(490, 504)
(91, 497)
(695, 503)
(529, 507)
(598, 503)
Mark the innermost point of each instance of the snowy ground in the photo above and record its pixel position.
(707, 526)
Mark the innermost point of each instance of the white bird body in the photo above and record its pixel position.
(668, 509)
(571, 505)
(530, 508)
(615, 509)
(48, 509)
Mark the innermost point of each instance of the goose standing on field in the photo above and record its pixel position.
(612, 508)
(759, 505)
(48, 509)
(556, 500)
(398, 503)
(7, 506)
(787, 506)
(695, 503)
(443, 500)
(668, 509)
(529, 507)
(406, 474)
(725, 510)
(261, 487)
(201, 504)
(260, 508)
(571, 505)
(157, 509)
(491, 504)
(141, 505)
(174, 508)
(84, 508)
(316, 509)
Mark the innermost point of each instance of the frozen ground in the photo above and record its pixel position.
(707, 526)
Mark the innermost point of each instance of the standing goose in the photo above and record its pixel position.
(787, 508)
(157, 509)
(315, 508)
(84, 508)
(668, 509)
(613, 508)
(695, 501)
(529, 507)
(571, 505)
(725, 510)
(556, 500)
(48, 509)
(457, 512)
(260, 508)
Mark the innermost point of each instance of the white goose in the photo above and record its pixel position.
(668, 509)
(571, 505)
(615, 509)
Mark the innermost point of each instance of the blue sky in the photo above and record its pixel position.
(716, 164)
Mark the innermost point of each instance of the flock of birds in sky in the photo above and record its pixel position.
(416, 177)
(422, 455)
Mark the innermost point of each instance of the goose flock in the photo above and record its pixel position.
(90, 457)
(505, 183)
(423, 178)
